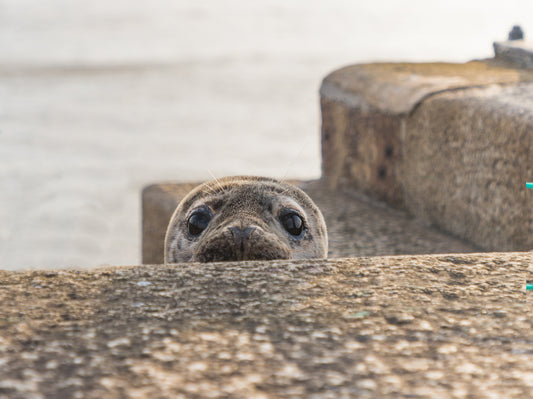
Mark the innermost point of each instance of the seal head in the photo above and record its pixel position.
(245, 218)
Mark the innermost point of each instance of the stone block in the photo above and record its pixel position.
(371, 126)
(158, 204)
(381, 327)
(466, 156)
(360, 149)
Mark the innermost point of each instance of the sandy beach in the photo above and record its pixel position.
(98, 100)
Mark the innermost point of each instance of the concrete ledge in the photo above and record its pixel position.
(417, 326)
(356, 225)
(158, 204)
(397, 88)
(435, 137)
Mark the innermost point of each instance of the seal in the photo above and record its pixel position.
(245, 218)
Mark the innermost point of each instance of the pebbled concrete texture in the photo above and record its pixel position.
(450, 143)
(439, 326)
(466, 158)
(357, 225)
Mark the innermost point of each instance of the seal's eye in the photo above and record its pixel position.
(198, 221)
(293, 223)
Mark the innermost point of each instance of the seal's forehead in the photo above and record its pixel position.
(240, 194)
(244, 191)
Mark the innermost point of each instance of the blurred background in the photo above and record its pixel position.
(100, 98)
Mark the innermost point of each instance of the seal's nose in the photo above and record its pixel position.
(241, 235)
(236, 243)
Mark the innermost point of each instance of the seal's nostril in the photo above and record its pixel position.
(241, 234)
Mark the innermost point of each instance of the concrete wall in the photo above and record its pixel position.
(451, 143)
(466, 158)
(420, 326)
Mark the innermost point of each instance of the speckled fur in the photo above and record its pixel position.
(245, 201)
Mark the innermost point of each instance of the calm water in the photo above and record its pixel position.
(98, 99)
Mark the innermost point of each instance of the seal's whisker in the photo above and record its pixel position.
(285, 190)
(207, 189)
(179, 254)
(217, 182)
(213, 187)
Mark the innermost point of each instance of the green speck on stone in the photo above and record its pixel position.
(529, 286)
(358, 315)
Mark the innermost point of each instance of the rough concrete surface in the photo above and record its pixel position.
(357, 226)
(425, 137)
(466, 158)
(361, 149)
(396, 88)
(440, 326)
